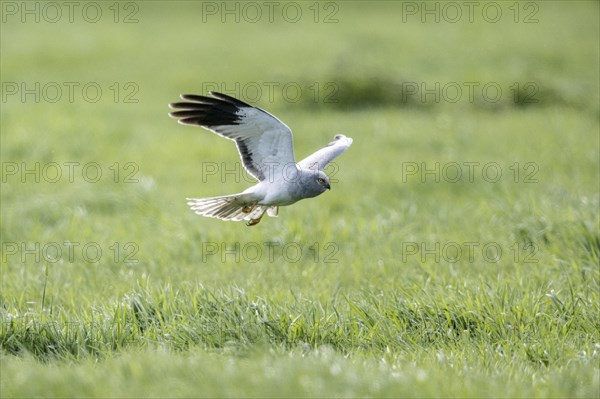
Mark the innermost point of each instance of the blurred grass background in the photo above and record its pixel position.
(388, 319)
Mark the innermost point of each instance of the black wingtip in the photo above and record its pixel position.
(217, 110)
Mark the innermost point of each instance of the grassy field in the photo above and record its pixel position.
(457, 254)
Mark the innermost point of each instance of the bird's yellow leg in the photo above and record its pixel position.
(254, 222)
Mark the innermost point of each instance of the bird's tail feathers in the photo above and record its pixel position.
(234, 207)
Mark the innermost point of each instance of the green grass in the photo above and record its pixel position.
(390, 285)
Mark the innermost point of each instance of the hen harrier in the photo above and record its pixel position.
(267, 151)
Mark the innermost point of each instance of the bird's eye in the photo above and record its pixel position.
(320, 180)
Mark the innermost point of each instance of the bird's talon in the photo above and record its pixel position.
(253, 222)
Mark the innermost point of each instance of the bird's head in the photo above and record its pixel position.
(322, 181)
(311, 183)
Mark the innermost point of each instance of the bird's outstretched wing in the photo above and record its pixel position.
(264, 142)
(319, 159)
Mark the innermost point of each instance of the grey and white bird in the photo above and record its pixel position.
(266, 148)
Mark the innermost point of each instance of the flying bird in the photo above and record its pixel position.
(266, 148)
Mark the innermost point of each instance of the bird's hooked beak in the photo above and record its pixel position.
(328, 186)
